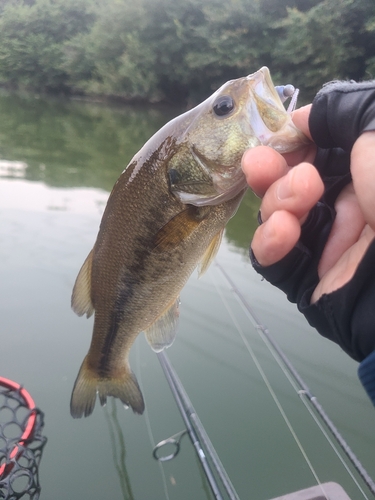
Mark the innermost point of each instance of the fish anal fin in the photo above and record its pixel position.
(81, 296)
(210, 253)
(88, 384)
(162, 332)
(180, 227)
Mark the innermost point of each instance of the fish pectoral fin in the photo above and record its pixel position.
(81, 296)
(210, 253)
(180, 227)
(88, 384)
(162, 332)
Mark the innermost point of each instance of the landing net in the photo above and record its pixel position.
(21, 443)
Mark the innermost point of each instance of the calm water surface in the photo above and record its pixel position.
(65, 157)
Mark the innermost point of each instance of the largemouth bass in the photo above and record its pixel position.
(165, 215)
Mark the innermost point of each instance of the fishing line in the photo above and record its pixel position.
(197, 432)
(148, 423)
(328, 438)
(268, 385)
(186, 411)
(306, 396)
(303, 389)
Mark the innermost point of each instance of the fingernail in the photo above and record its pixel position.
(284, 190)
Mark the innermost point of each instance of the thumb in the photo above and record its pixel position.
(363, 173)
(301, 119)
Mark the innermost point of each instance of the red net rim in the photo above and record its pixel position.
(30, 424)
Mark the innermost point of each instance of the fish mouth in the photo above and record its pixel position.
(272, 125)
(264, 87)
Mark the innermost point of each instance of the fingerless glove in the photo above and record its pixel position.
(340, 113)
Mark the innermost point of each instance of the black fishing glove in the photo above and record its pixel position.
(340, 113)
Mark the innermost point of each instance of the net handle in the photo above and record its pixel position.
(5, 468)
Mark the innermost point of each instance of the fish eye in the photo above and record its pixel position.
(223, 105)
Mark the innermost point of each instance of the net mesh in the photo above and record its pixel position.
(21, 444)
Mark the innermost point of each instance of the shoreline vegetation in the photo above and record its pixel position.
(179, 51)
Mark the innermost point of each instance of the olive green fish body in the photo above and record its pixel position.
(165, 215)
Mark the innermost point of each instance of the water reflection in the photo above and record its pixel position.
(50, 215)
(118, 450)
(67, 143)
(12, 168)
(241, 227)
(37, 196)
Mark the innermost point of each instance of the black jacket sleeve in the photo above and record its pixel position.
(340, 113)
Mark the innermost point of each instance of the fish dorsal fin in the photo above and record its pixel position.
(176, 230)
(210, 253)
(162, 332)
(81, 296)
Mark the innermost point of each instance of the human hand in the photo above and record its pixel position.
(288, 194)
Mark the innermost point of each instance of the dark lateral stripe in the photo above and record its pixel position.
(116, 320)
(105, 359)
(130, 282)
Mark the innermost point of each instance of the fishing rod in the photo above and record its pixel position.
(304, 389)
(198, 435)
(196, 432)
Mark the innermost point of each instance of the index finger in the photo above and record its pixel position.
(300, 119)
(262, 166)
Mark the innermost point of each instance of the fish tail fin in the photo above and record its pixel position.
(88, 384)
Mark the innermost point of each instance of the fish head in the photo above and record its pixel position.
(242, 114)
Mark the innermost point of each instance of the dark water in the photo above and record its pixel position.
(65, 157)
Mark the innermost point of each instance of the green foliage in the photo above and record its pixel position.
(370, 60)
(111, 59)
(180, 50)
(32, 41)
(330, 41)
